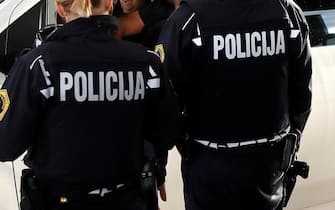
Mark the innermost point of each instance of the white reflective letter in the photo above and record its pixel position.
(65, 83)
(129, 94)
(256, 51)
(271, 49)
(247, 45)
(80, 86)
(91, 95)
(110, 78)
(230, 46)
(121, 86)
(264, 43)
(139, 88)
(240, 54)
(218, 44)
(102, 86)
(280, 42)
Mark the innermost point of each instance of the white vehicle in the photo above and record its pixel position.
(21, 19)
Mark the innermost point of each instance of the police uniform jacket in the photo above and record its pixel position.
(83, 103)
(242, 68)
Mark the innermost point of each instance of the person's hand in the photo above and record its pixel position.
(162, 192)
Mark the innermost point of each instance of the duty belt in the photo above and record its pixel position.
(62, 194)
(103, 191)
(214, 145)
(99, 192)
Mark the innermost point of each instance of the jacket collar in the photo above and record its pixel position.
(88, 27)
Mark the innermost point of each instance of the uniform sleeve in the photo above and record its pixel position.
(163, 117)
(18, 112)
(175, 47)
(300, 84)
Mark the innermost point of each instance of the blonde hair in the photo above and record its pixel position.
(82, 8)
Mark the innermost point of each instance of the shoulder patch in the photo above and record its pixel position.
(4, 103)
(160, 50)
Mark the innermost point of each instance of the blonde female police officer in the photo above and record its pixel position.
(242, 69)
(83, 102)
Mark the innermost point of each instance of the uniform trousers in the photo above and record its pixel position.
(248, 178)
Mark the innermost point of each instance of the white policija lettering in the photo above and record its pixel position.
(255, 44)
(112, 86)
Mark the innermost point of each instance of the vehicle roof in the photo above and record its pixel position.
(7, 13)
(328, 17)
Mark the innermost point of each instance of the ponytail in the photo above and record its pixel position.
(82, 8)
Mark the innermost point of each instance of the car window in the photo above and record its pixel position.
(308, 5)
(320, 15)
(19, 24)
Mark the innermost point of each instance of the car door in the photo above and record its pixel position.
(317, 144)
(19, 22)
(20, 19)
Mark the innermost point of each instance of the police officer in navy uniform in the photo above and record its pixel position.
(242, 70)
(83, 103)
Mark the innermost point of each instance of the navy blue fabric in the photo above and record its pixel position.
(240, 179)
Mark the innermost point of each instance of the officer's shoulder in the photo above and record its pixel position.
(298, 13)
(29, 57)
(292, 4)
(138, 51)
(181, 15)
